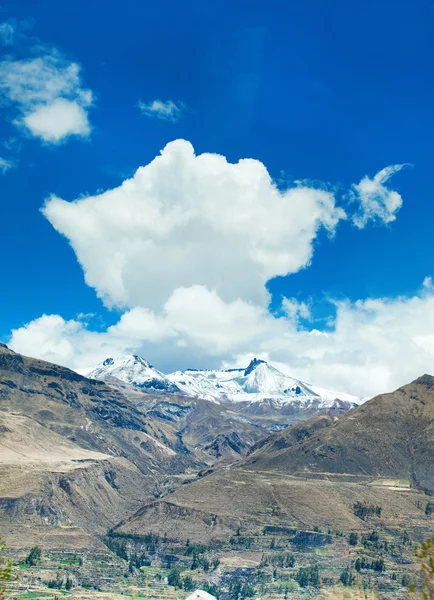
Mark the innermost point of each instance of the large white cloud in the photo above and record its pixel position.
(186, 220)
(374, 345)
(48, 95)
(186, 247)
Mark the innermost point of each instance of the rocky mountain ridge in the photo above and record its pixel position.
(258, 383)
(80, 456)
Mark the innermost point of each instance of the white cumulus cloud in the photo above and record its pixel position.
(186, 247)
(166, 110)
(55, 121)
(48, 95)
(186, 220)
(374, 345)
(377, 201)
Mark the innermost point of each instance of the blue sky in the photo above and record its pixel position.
(321, 92)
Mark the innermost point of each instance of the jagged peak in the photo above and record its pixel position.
(255, 362)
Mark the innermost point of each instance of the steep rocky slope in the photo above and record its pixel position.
(89, 413)
(77, 455)
(54, 491)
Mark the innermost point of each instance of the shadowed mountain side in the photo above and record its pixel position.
(210, 432)
(169, 434)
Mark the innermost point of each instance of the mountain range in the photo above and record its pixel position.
(80, 456)
(259, 382)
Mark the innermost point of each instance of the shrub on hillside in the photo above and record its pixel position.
(34, 556)
(5, 571)
(425, 557)
(364, 509)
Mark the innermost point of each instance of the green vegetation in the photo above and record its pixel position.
(240, 591)
(280, 559)
(308, 576)
(353, 538)
(177, 581)
(347, 577)
(352, 563)
(425, 557)
(34, 556)
(68, 584)
(116, 545)
(364, 509)
(5, 571)
(239, 540)
(212, 589)
(377, 564)
(57, 584)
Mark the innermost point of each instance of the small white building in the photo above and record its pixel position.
(200, 595)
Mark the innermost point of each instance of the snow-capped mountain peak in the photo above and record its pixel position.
(257, 382)
(263, 378)
(134, 370)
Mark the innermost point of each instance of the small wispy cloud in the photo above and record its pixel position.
(5, 165)
(48, 94)
(165, 110)
(7, 34)
(12, 143)
(377, 202)
(42, 87)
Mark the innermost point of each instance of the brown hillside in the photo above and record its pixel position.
(392, 435)
(78, 455)
(312, 475)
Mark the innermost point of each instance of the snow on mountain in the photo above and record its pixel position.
(258, 382)
(134, 370)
